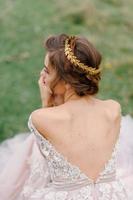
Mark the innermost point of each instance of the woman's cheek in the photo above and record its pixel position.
(49, 79)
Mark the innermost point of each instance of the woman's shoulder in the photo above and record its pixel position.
(60, 115)
(61, 112)
(44, 119)
(113, 108)
(50, 112)
(113, 104)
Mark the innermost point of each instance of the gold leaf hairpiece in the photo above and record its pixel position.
(74, 60)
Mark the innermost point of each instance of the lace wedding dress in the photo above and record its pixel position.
(32, 169)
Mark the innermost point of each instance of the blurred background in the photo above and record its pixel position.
(24, 25)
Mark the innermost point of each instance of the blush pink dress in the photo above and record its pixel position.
(32, 169)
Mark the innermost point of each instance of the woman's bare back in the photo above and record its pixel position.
(85, 131)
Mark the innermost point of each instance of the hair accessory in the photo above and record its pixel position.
(74, 60)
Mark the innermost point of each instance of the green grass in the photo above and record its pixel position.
(23, 27)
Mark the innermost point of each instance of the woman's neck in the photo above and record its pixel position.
(71, 95)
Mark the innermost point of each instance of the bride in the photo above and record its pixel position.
(79, 147)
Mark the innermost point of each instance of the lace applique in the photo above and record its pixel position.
(64, 172)
(39, 176)
(105, 191)
(60, 166)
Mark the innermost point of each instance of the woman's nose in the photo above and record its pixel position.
(42, 72)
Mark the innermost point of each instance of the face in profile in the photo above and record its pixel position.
(48, 72)
(52, 81)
